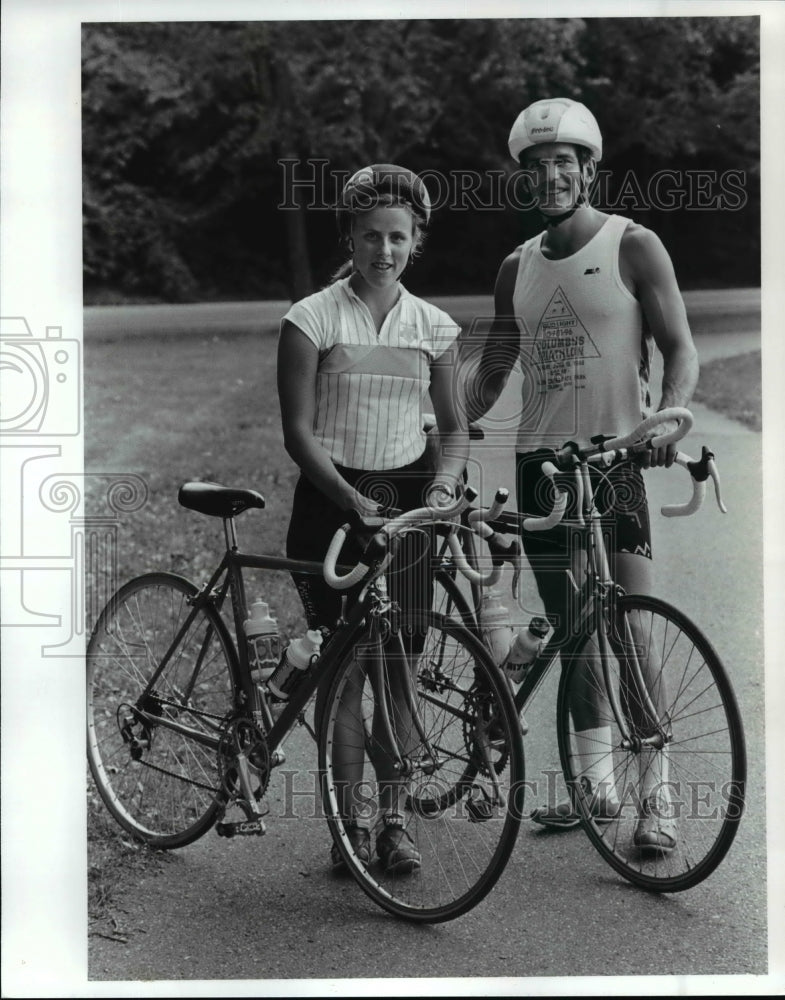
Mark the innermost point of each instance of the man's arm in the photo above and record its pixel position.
(502, 346)
(647, 268)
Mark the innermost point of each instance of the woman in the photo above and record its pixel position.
(356, 362)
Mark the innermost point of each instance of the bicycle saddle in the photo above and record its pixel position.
(217, 500)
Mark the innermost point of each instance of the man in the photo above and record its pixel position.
(580, 305)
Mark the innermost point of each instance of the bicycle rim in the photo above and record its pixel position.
(462, 800)
(160, 785)
(679, 807)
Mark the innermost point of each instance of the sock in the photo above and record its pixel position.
(653, 772)
(594, 760)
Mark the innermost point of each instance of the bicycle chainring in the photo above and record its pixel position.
(481, 717)
(242, 736)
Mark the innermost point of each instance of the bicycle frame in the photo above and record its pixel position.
(363, 616)
(589, 618)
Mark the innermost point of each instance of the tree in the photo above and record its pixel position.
(196, 134)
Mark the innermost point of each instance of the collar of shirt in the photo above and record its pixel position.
(405, 328)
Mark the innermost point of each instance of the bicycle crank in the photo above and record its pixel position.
(244, 765)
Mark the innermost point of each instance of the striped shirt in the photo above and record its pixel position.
(370, 388)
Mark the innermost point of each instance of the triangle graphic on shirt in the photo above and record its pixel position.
(559, 321)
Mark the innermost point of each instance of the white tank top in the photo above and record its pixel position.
(585, 356)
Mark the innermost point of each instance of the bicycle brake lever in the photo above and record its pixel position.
(506, 551)
(705, 467)
(716, 480)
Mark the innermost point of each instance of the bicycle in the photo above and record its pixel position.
(669, 702)
(183, 737)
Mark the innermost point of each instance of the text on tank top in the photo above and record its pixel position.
(584, 353)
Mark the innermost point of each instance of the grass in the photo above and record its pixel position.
(178, 408)
(732, 386)
(175, 409)
(114, 861)
(167, 411)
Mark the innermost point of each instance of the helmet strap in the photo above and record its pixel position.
(555, 220)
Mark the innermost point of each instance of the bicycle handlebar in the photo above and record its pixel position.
(604, 450)
(412, 518)
(700, 471)
(557, 511)
(638, 436)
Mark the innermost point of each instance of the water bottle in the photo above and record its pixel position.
(264, 644)
(297, 658)
(525, 647)
(495, 625)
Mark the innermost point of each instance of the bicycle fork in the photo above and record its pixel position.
(630, 653)
(603, 604)
(391, 651)
(388, 680)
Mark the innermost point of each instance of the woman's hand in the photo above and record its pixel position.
(364, 506)
(440, 494)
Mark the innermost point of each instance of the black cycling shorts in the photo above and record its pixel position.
(620, 497)
(315, 519)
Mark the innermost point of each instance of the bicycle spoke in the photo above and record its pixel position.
(455, 689)
(678, 806)
(158, 782)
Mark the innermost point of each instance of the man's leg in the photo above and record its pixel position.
(656, 829)
(591, 713)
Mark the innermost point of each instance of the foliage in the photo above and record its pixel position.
(185, 125)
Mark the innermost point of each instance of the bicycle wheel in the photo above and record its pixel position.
(676, 809)
(461, 797)
(161, 785)
(451, 601)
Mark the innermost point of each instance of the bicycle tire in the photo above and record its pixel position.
(164, 789)
(449, 600)
(465, 846)
(701, 771)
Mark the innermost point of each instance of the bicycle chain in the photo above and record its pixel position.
(201, 713)
(180, 777)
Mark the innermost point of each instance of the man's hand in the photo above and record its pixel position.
(665, 454)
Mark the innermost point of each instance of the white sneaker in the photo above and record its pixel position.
(656, 829)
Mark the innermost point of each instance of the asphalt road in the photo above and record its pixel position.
(717, 311)
(258, 912)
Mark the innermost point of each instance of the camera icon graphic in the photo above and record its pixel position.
(41, 381)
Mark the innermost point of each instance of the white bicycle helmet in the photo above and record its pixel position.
(557, 119)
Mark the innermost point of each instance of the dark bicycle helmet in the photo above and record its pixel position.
(365, 187)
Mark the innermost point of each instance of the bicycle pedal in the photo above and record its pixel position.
(479, 811)
(479, 805)
(243, 828)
